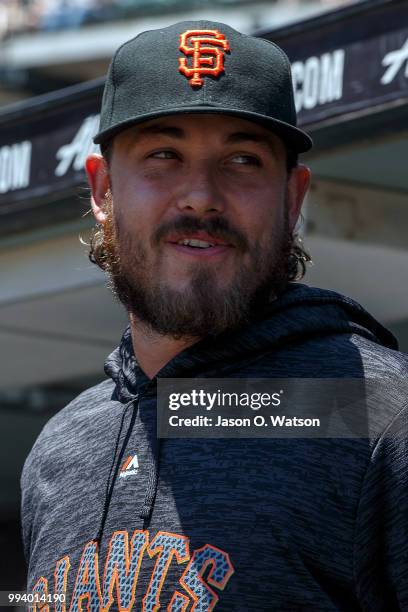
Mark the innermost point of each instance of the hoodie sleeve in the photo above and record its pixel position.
(32, 489)
(28, 500)
(381, 534)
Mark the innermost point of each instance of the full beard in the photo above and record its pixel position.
(203, 308)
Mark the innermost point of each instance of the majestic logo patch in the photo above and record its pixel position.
(207, 48)
(130, 467)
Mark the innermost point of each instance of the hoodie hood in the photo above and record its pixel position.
(300, 313)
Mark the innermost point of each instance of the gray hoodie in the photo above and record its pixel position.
(115, 519)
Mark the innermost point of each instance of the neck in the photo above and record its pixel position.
(152, 350)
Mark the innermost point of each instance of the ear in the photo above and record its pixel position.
(298, 184)
(98, 179)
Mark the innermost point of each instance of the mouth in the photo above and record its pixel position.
(199, 244)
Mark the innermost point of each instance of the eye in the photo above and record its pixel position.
(246, 160)
(164, 154)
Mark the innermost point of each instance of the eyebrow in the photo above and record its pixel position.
(234, 138)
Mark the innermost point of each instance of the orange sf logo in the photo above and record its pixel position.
(204, 43)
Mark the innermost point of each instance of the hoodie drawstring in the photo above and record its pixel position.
(152, 482)
(110, 483)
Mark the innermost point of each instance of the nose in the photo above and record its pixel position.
(200, 192)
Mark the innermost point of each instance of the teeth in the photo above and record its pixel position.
(195, 243)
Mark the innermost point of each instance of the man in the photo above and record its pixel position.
(196, 198)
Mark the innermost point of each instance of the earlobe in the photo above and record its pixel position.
(98, 179)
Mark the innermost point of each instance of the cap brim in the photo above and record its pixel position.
(297, 140)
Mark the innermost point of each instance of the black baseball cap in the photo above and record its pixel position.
(200, 67)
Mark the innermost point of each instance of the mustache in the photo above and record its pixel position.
(217, 227)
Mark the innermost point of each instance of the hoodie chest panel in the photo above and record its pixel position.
(278, 503)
